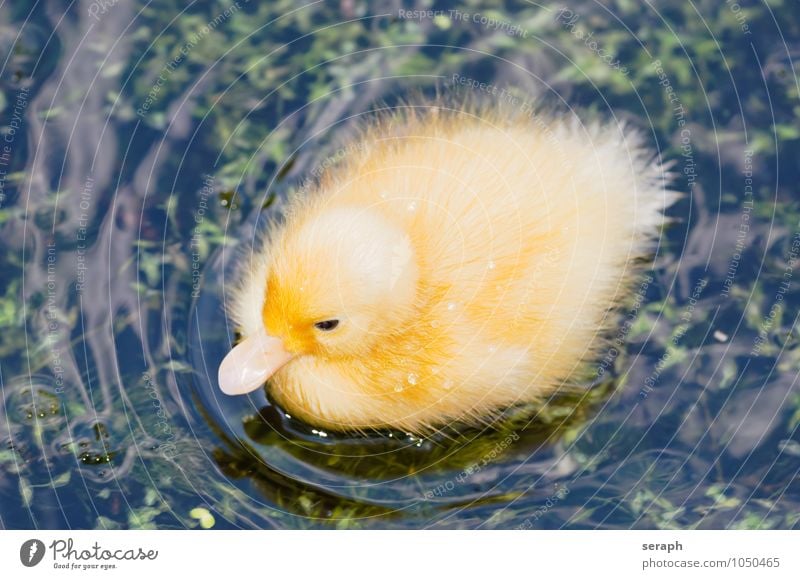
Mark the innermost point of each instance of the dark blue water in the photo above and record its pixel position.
(144, 145)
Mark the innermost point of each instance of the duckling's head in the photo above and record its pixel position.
(337, 284)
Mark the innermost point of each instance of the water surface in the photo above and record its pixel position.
(145, 144)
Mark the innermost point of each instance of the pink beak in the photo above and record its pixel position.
(251, 363)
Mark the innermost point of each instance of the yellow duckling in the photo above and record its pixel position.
(459, 262)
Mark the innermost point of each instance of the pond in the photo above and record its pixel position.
(146, 144)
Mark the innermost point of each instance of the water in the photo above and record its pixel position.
(134, 175)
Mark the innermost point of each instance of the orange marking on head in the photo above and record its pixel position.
(284, 317)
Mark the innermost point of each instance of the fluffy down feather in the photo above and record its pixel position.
(472, 260)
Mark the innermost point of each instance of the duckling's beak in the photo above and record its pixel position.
(251, 363)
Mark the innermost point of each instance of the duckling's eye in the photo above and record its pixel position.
(327, 325)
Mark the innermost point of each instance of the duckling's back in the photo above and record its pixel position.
(526, 231)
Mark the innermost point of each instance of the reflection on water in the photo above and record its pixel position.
(142, 152)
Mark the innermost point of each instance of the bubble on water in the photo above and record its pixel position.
(34, 400)
(412, 206)
(384, 194)
(491, 264)
(492, 348)
(398, 388)
(412, 378)
(434, 323)
(451, 306)
(448, 384)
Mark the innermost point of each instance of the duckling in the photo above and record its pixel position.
(458, 262)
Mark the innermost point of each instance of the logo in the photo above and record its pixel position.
(31, 553)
